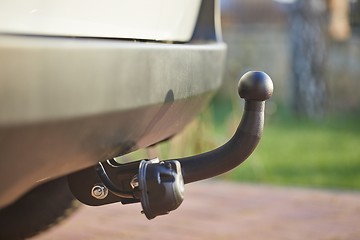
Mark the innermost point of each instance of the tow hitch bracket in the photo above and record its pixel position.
(159, 185)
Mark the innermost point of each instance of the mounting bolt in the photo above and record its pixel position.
(99, 191)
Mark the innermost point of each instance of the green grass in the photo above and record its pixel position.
(295, 152)
(306, 153)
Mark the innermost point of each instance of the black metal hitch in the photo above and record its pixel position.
(159, 185)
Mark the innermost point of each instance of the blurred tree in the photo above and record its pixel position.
(311, 23)
(308, 41)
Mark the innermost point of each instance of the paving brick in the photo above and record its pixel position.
(224, 210)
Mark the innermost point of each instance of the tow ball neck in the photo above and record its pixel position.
(159, 185)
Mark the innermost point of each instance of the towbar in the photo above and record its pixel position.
(159, 185)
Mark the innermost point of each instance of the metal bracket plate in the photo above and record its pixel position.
(81, 183)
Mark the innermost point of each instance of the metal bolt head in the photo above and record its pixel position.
(99, 191)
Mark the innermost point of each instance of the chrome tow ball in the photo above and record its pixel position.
(161, 187)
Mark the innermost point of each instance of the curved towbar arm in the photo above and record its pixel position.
(255, 88)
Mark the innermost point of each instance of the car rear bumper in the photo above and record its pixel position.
(68, 103)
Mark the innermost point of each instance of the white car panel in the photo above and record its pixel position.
(165, 20)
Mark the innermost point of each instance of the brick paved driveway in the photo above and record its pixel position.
(223, 210)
